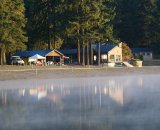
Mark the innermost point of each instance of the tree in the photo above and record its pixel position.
(105, 24)
(126, 52)
(72, 24)
(12, 24)
(45, 22)
(90, 22)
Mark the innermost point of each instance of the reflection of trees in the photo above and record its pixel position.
(13, 113)
(89, 108)
(116, 93)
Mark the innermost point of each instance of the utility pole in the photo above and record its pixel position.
(87, 53)
(99, 53)
(91, 54)
(49, 23)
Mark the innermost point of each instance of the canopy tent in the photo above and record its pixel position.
(36, 57)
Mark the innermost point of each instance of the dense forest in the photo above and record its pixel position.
(55, 24)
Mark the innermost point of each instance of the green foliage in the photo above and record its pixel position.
(59, 43)
(45, 22)
(12, 25)
(90, 20)
(137, 23)
(139, 57)
(40, 46)
(126, 52)
(84, 20)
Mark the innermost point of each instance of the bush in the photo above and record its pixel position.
(140, 57)
(126, 52)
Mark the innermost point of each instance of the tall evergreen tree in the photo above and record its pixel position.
(44, 23)
(12, 24)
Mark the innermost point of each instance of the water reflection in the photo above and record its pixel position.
(113, 103)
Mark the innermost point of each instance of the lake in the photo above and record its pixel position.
(99, 103)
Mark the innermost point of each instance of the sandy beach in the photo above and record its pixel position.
(28, 72)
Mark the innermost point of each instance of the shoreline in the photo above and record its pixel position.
(26, 72)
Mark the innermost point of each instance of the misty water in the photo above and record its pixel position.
(99, 103)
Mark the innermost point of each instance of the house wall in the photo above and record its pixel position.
(147, 56)
(115, 55)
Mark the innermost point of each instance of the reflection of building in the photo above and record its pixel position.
(22, 92)
(38, 92)
(116, 93)
(3, 97)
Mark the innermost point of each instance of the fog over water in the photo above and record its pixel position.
(99, 103)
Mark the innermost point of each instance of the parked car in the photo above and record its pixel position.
(16, 60)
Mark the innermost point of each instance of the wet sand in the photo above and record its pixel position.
(28, 72)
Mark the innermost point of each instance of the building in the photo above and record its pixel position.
(72, 54)
(109, 53)
(144, 54)
(51, 55)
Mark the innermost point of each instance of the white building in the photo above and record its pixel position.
(145, 53)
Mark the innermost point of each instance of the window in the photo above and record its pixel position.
(104, 57)
(112, 57)
(118, 58)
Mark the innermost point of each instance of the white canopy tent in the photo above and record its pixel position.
(36, 57)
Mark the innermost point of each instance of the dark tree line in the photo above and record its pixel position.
(138, 23)
(54, 24)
